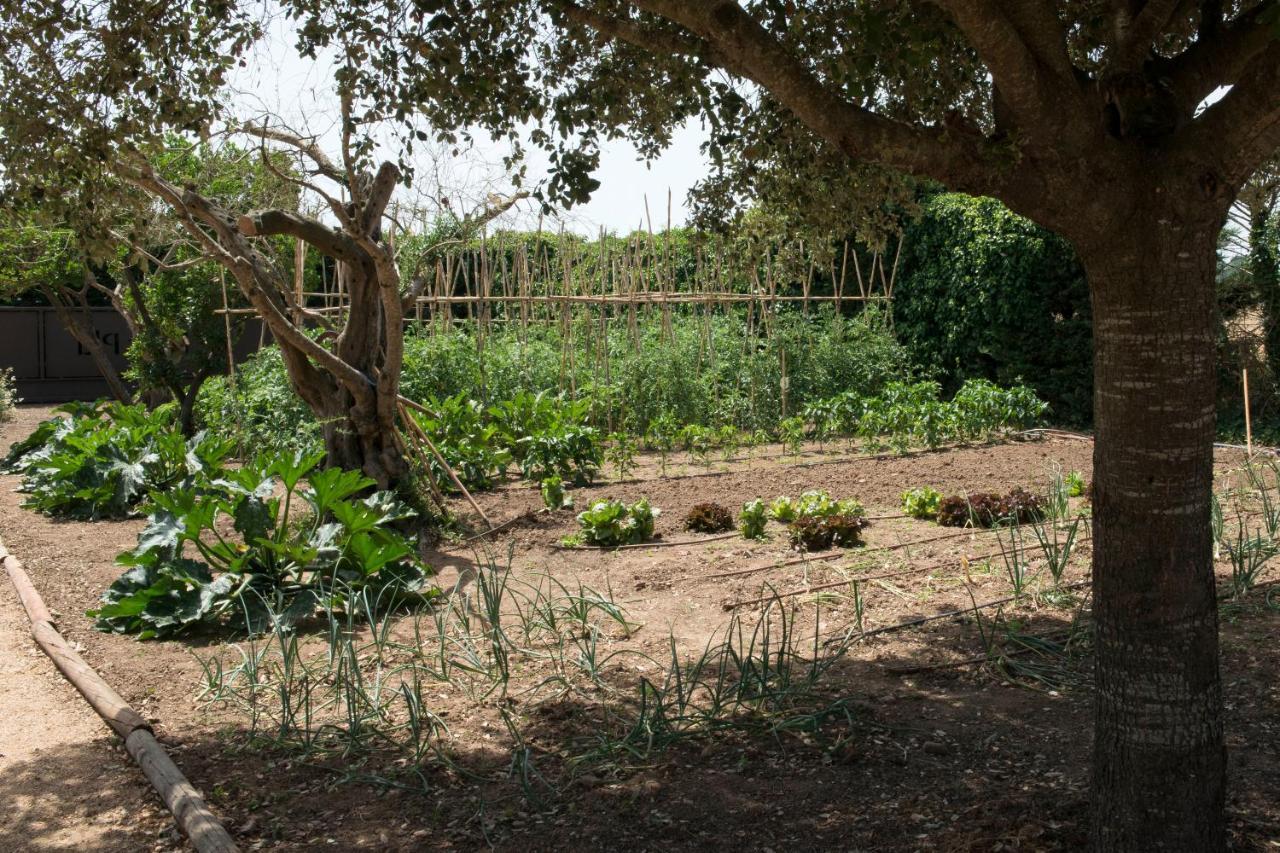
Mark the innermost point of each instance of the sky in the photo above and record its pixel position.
(279, 82)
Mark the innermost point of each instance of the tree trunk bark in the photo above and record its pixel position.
(76, 320)
(356, 439)
(1159, 755)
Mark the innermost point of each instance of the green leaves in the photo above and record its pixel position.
(610, 523)
(103, 460)
(752, 519)
(307, 541)
(906, 415)
(921, 502)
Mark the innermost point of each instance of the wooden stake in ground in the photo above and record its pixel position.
(1248, 424)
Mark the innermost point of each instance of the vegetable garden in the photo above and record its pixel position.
(704, 594)
(761, 532)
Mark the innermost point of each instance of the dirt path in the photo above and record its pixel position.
(64, 782)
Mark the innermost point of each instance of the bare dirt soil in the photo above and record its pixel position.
(928, 751)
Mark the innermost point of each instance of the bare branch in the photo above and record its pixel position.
(309, 147)
(1044, 33)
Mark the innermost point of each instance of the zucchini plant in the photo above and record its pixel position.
(263, 548)
(103, 459)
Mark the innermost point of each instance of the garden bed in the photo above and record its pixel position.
(900, 744)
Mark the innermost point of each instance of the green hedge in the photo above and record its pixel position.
(984, 293)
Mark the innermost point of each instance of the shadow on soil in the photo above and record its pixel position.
(82, 797)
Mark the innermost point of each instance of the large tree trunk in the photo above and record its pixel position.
(1159, 755)
(355, 438)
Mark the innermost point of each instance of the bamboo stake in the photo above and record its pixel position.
(422, 436)
(299, 260)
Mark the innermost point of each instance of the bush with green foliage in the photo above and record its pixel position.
(609, 523)
(103, 459)
(708, 518)
(468, 441)
(710, 372)
(906, 415)
(984, 294)
(300, 550)
(259, 408)
(8, 394)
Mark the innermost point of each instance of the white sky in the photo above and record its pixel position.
(279, 82)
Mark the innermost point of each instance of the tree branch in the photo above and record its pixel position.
(1043, 102)
(739, 45)
(1044, 33)
(1136, 37)
(1219, 56)
(267, 223)
(310, 148)
(1243, 128)
(249, 269)
(384, 183)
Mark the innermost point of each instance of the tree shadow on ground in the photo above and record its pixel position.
(85, 796)
(946, 758)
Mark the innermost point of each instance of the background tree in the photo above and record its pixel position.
(51, 261)
(1090, 118)
(166, 287)
(1257, 216)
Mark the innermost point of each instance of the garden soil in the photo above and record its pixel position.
(933, 754)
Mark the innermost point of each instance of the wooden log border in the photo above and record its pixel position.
(180, 797)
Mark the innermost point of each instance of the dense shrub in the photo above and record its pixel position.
(984, 293)
(904, 414)
(703, 372)
(259, 408)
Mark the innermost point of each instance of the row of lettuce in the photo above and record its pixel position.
(815, 521)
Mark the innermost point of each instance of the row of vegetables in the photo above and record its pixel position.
(815, 521)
